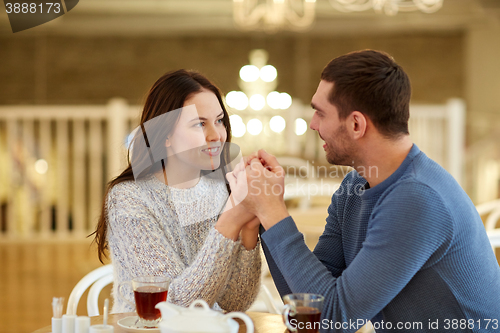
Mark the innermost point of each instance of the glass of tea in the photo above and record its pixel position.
(148, 291)
(302, 312)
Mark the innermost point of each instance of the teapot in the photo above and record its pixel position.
(177, 319)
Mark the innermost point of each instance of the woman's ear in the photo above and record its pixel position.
(167, 143)
(358, 124)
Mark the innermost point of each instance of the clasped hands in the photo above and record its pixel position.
(257, 188)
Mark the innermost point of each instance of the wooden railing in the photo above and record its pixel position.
(83, 149)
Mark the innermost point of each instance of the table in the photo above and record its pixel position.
(263, 322)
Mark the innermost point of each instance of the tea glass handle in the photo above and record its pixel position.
(289, 310)
(246, 319)
(120, 294)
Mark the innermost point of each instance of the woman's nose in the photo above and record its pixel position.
(213, 134)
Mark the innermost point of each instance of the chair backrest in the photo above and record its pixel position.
(494, 237)
(267, 298)
(102, 276)
(492, 209)
(492, 220)
(93, 296)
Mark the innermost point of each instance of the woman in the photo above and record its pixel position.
(161, 216)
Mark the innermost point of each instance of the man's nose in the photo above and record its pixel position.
(313, 125)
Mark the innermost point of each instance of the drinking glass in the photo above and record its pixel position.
(148, 291)
(302, 312)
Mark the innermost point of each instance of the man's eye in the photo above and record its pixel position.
(199, 124)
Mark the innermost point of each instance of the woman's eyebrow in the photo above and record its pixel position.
(203, 118)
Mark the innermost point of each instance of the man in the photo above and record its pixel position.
(403, 245)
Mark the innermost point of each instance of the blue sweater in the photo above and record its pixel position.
(411, 254)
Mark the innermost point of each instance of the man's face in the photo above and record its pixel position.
(338, 146)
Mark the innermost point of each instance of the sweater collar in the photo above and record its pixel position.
(394, 177)
(181, 195)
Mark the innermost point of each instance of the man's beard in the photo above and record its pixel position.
(342, 153)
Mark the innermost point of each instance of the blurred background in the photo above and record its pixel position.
(71, 91)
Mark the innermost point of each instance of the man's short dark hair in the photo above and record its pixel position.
(372, 83)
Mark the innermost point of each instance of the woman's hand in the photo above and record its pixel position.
(238, 183)
(254, 224)
(238, 179)
(236, 217)
(250, 234)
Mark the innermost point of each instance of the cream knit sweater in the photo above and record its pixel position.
(154, 229)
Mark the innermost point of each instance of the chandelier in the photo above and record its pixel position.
(261, 116)
(272, 15)
(390, 7)
(258, 103)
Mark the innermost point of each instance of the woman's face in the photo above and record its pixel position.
(199, 136)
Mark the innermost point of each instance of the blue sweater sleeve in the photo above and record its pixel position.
(329, 249)
(278, 278)
(410, 228)
(331, 238)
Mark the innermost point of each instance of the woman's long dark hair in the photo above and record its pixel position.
(167, 94)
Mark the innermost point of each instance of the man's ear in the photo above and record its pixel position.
(167, 143)
(357, 124)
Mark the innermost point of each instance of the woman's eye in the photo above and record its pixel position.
(199, 124)
(219, 121)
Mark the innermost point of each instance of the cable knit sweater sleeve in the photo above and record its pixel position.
(245, 278)
(140, 245)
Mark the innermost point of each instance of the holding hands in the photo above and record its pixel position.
(257, 187)
(257, 183)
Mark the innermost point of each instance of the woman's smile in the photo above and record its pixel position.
(212, 151)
